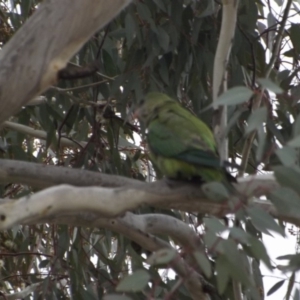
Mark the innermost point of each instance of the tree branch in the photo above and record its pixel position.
(112, 202)
(64, 142)
(32, 58)
(229, 17)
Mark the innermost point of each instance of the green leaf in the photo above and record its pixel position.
(160, 4)
(214, 224)
(63, 242)
(215, 191)
(288, 156)
(270, 85)
(238, 265)
(275, 287)
(203, 263)
(263, 221)
(294, 35)
(136, 282)
(239, 234)
(295, 142)
(130, 29)
(259, 251)
(212, 240)
(162, 257)
(288, 176)
(234, 96)
(163, 38)
(144, 12)
(261, 133)
(286, 200)
(295, 91)
(209, 10)
(222, 269)
(256, 119)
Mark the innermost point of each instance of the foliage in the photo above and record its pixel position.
(167, 46)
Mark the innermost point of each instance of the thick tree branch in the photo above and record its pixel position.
(112, 202)
(42, 176)
(32, 58)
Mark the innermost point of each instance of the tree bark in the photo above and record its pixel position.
(32, 58)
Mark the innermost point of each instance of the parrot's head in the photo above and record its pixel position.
(151, 105)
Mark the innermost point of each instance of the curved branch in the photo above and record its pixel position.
(160, 224)
(108, 202)
(32, 58)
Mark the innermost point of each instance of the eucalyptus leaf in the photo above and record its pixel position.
(288, 177)
(214, 224)
(263, 221)
(162, 257)
(295, 142)
(256, 119)
(288, 156)
(270, 85)
(135, 282)
(203, 263)
(234, 96)
(215, 191)
(286, 200)
(222, 268)
(275, 287)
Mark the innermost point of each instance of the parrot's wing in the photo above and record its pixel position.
(175, 138)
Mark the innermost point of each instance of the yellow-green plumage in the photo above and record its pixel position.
(180, 144)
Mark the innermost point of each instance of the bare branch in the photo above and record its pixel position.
(229, 17)
(40, 134)
(32, 58)
(64, 142)
(40, 176)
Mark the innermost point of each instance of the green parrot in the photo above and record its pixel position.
(180, 145)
